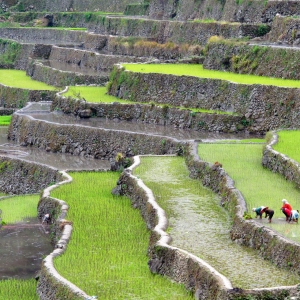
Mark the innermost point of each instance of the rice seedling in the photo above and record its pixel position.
(289, 143)
(198, 71)
(19, 79)
(258, 185)
(18, 208)
(107, 255)
(201, 226)
(18, 289)
(5, 120)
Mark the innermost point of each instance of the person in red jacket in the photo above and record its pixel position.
(287, 213)
(286, 205)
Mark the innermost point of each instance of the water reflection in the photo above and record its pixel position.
(22, 248)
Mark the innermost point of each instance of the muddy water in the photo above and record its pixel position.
(198, 224)
(59, 161)
(151, 129)
(22, 248)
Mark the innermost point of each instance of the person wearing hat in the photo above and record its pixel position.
(286, 209)
(259, 211)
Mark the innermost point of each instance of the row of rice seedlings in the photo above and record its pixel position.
(19, 79)
(200, 225)
(198, 71)
(258, 185)
(18, 208)
(107, 255)
(18, 289)
(289, 143)
(99, 95)
(5, 120)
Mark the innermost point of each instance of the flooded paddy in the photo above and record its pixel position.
(22, 248)
(198, 224)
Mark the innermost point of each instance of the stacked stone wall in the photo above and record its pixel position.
(52, 76)
(20, 177)
(88, 141)
(244, 58)
(263, 107)
(11, 97)
(280, 163)
(150, 114)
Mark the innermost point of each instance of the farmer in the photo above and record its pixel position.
(46, 219)
(259, 211)
(294, 216)
(269, 212)
(287, 212)
(285, 204)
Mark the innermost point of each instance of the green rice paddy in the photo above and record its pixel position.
(93, 94)
(198, 71)
(198, 224)
(19, 79)
(289, 143)
(18, 208)
(5, 120)
(107, 255)
(18, 289)
(258, 185)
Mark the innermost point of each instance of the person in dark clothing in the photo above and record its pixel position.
(269, 212)
(46, 219)
(259, 211)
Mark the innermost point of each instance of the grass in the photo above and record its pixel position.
(99, 95)
(5, 120)
(107, 255)
(18, 289)
(198, 71)
(289, 143)
(258, 185)
(19, 79)
(18, 208)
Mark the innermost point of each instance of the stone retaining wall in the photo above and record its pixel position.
(150, 114)
(11, 97)
(285, 30)
(262, 107)
(279, 163)
(87, 141)
(245, 58)
(177, 32)
(20, 177)
(39, 71)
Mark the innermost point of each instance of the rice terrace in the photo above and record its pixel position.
(150, 150)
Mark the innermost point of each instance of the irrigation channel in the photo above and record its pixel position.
(198, 223)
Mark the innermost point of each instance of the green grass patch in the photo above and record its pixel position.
(19, 79)
(198, 71)
(258, 185)
(5, 120)
(289, 143)
(99, 95)
(19, 208)
(18, 289)
(107, 255)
